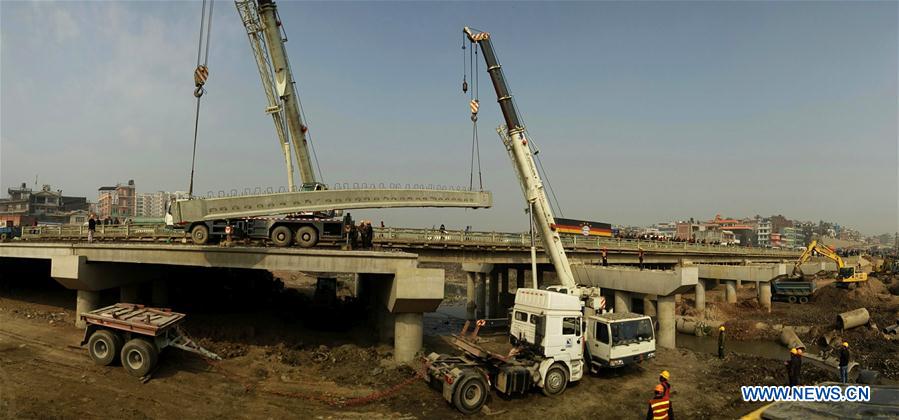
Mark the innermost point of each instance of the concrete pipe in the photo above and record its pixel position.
(852, 319)
(686, 326)
(789, 338)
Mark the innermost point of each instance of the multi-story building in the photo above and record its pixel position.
(790, 238)
(118, 202)
(763, 232)
(25, 206)
(667, 229)
(154, 204)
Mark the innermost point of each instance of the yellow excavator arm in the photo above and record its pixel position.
(844, 274)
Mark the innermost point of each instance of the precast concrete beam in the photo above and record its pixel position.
(753, 272)
(622, 301)
(632, 279)
(667, 333)
(416, 290)
(75, 272)
(407, 338)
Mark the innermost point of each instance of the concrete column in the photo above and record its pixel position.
(129, 293)
(504, 281)
(482, 295)
(700, 295)
(493, 295)
(408, 335)
(622, 301)
(540, 276)
(666, 337)
(765, 295)
(730, 291)
(471, 294)
(739, 283)
(386, 325)
(519, 278)
(649, 305)
(85, 302)
(160, 293)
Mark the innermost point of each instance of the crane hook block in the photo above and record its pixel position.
(464, 86)
(200, 75)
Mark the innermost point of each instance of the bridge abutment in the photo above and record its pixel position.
(86, 301)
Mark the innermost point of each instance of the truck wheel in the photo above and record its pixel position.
(139, 356)
(200, 235)
(4, 237)
(556, 380)
(470, 394)
(803, 299)
(307, 237)
(281, 236)
(104, 346)
(791, 299)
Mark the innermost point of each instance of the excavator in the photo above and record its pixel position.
(845, 275)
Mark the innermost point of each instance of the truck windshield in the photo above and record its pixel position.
(628, 332)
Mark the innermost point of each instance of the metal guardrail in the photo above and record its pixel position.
(393, 236)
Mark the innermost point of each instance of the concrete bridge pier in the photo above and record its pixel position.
(519, 278)
(470, 294)
(408, 334)
(160, 293)
(493, 294)
(622, 301)
(482, 295)
(730, 291)
(700, 295)
(764, 295)
(85, 302)
(666, 337)
(649, 305)
(129, 293)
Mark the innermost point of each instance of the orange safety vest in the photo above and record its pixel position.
(659, 408)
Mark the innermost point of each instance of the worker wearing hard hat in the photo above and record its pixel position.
(659, 405)
(663, 381)
(721, 342)
(794, 366)
(844, 362)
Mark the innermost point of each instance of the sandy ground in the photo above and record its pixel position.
(279, 364)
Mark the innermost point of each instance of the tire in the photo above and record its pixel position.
(139, 357)
(556, 380)
(307, 237)
(281, 236)
(803, 300)
(200, 235)
(791, 299)
(470, 394)
(104, 346)
(4, 237)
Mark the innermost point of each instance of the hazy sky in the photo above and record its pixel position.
(644, 111)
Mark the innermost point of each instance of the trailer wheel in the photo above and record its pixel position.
(803, 299)
(281, 236)
(791, 299)
(556, 380)
(104, 346)
(139, 356)
(470, 394)
(307, 237)
(199, 234)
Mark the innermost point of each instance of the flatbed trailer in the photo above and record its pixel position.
(135, 334)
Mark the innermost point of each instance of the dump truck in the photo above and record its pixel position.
(793, 291)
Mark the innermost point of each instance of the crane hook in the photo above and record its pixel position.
(464, 85)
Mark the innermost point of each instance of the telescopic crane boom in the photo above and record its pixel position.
(522, 156)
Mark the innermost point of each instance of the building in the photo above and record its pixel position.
(791, 238)
(118, 202)
(763, 232)
(667, 229)
(153, 205)
(25, 206)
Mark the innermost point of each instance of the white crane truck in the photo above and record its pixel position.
(557, 333)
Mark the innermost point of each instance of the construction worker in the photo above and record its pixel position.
(640, 255)
(721, 342)
(659, 406)
(844, 363)
(794, 366)
(663, 381)
(605, 254)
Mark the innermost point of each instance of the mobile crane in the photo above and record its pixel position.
(558, 333)
(304, 215)
(845, 275)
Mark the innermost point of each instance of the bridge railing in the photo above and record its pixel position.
(500, 239)
(124, 232)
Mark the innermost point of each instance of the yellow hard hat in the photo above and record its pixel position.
(721, 328)
(845, 344)
(794, 351)
(665, 374)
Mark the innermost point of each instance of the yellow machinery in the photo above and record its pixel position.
(845, 275)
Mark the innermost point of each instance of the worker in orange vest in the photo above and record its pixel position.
(660, 406)
(663, 380)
